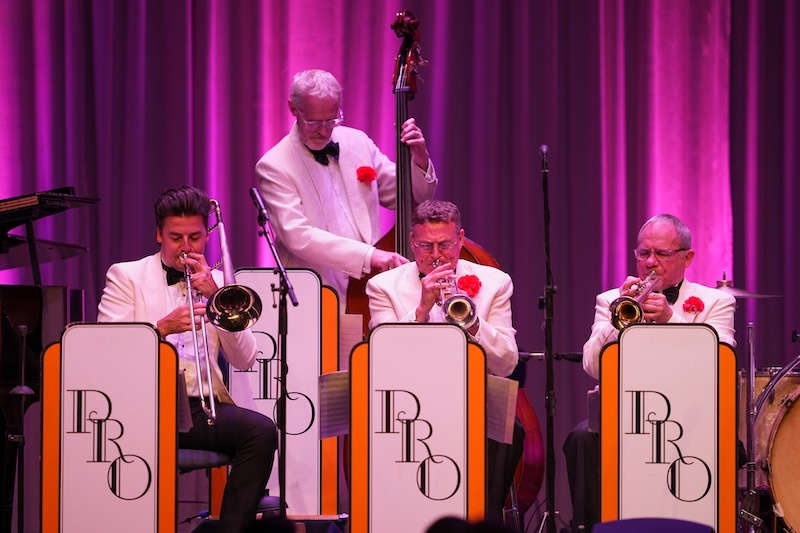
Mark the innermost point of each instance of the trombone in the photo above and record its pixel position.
(232, 308)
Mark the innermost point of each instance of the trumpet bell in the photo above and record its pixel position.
(626, 311)
(459, 310)
(234, 308)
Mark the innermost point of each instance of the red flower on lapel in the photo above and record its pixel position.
(366, 175)
(469, 284)
(693, 304)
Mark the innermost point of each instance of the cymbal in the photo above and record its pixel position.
(17, 254)
(726, 285)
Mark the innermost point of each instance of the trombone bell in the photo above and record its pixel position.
(234, 308)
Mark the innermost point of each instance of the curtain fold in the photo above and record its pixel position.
(765, 141)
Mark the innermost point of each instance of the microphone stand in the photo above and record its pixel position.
(546, 303)
(285, 288)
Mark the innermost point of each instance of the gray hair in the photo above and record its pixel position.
(436, 211)
(684, 235)
(315, 83)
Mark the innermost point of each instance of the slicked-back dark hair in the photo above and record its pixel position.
(436, 211)
(185, 201)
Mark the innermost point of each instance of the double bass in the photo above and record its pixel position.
(530, 469)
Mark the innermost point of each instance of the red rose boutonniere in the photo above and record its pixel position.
(693, 304)
(366, 175)
(469, 284)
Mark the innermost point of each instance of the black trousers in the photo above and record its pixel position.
(501, 462)
(250, 439)
(582, 452)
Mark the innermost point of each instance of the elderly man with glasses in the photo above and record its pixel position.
(664, 248)
(413, 292)
(324, 184)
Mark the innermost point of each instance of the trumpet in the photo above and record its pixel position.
(458, 308)
(627, 310)
(232, 308)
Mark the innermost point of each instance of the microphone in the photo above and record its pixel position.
(258, 200)
(543, 151)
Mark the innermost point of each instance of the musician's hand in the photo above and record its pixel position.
(179, 319)
(656, 308)
(432, 289)
(202, 280)
(630, 286)
(383, 260)
(413, 137)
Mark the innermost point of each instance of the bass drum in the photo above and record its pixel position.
(767, 416)
(783, 463)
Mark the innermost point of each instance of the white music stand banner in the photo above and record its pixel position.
(668, 420)
(312, 349)
(418, 428)
(108, 430)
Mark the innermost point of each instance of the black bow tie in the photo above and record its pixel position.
(173, 274)
(321, 156)
(672, 293)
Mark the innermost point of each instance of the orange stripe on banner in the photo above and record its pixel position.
(167, 437)
(609, 433)
(727, 440)
(51, 437)
(330, 331)
(330, 363)
(476, 436)
(359, 433)
(216, 488)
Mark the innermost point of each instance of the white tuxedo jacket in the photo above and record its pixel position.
(287, 176)
(394, 296)
(137, 291)
(718, 312)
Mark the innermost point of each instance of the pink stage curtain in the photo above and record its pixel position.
(686, 106)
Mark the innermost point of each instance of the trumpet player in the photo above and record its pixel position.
(663, 253)
(413, 292)
(154, 289)
(664, 248)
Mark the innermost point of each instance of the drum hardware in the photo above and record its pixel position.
(772, 457)
(627, 310)
(232, 308)
(747, 509)
(726, 285)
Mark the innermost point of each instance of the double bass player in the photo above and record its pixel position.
(324, 184)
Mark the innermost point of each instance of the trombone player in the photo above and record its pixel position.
(154, 289)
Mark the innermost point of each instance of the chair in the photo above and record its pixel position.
(651, 525)
(189, 460)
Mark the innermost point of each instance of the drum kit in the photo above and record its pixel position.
(769, 500)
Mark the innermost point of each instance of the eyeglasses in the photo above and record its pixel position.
(317, 124)
(643, 253)
(427, 247)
